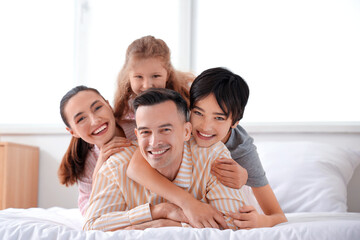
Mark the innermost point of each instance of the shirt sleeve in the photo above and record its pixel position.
(107, 209)
(223, 198)
(85, 181)
(84, 186)
(244, 152)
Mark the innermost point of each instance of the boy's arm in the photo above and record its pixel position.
(248, 217)
(199, 214)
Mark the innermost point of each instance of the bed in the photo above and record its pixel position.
(315, 183)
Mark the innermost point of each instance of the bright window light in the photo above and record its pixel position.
(300, 58)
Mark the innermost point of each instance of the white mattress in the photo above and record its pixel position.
(60, 223)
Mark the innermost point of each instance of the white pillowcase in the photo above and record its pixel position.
(308, 176)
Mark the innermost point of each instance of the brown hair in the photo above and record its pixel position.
(148, 47)
(73, 162)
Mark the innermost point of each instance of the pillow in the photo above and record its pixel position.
(308, 176)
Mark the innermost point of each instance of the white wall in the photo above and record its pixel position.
(52, 147)
(53, 144)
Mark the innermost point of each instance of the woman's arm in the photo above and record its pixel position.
(248, 217)
(199, 214)
(113, 146)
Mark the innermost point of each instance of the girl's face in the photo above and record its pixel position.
(90, 117)
(209, 123)
(147, 73)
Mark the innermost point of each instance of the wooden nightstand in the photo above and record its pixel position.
(19, 174)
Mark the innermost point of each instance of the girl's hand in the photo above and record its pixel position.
(229, 173)
(203, 215)
(113, 146)
(248, 218)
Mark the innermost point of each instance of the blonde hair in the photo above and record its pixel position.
(143, 48)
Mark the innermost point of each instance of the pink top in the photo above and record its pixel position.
(85, 182)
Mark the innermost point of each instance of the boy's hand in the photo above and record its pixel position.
(229, 173)
(248, 218)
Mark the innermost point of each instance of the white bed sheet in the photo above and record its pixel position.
(60, 223)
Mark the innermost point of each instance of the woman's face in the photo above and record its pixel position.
(90, 117)
(147, 73)
(209, 123)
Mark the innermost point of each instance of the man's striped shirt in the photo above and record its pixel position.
(117, 201)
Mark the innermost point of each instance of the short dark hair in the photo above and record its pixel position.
(154, 96)
(230, 90)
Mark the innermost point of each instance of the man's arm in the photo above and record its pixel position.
(223, 198)
(107, 209)
(155, 224)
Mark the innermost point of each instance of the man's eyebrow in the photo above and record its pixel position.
(215, 113)
(142, 128)
(166, 125)
(161, 126)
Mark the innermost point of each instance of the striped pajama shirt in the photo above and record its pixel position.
(117, 201)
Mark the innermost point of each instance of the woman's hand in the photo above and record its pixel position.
(113, 146)
(229, 173)
(203, 215)
(248, 218)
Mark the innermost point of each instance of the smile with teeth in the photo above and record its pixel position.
(100, 129)
(158, 152)
(205, 135)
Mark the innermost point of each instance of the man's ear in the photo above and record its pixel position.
(136, 132)
(235, 124)
(72, 132)
(188, 128)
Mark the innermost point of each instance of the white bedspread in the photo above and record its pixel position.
(60, 223)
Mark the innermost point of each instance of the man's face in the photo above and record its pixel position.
(161, 132)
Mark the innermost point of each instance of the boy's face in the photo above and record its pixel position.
(209, 122)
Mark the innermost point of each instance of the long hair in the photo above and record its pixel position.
(73, 162)
(143, 48)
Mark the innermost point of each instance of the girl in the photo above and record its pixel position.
(217, 101)
(95, 137)
(147, 64)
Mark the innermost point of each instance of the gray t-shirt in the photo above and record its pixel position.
(243, 151)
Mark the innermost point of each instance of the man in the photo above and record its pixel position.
(164, 138)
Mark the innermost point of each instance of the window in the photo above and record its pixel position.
(113, 25)
(36, 59)
(300, 58)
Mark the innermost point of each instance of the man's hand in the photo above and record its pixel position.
(229, 173)
(248, 218)
(203, 215)
(154, 224)
(168, 211)
(113, 146)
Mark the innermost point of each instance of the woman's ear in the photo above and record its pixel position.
(235, 124)
(72, 132)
